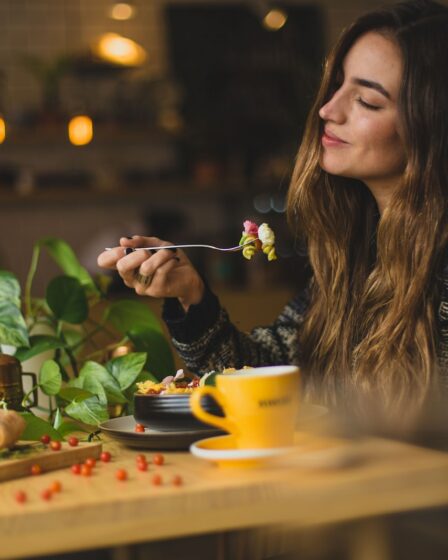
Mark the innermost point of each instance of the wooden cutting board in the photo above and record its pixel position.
(17, 463)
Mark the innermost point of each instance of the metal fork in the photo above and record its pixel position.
(189, 246)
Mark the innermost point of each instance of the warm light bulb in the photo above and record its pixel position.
(275, 19)
(122, 11)
(80, 130)
(120, 50)
(2, 130)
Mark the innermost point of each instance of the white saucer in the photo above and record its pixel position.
(223, 451)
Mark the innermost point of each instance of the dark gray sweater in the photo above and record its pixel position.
(207, 340)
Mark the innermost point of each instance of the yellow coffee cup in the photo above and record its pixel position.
(260, 405)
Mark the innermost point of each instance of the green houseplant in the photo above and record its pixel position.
(82, 327)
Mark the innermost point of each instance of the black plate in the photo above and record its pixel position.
(122, 430)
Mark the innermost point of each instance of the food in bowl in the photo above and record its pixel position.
(172, 385)
(165, 406)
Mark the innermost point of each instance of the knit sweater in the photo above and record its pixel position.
(206, 339)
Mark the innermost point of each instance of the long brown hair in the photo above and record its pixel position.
(371, 324)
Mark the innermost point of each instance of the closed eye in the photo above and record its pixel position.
(369, 106)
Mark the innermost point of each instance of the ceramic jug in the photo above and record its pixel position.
(11, 385)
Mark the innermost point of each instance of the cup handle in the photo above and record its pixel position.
(34, 381)
(218, 421)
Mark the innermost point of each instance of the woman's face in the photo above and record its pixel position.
(361, 136)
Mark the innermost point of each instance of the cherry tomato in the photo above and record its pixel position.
(90, 462)
(55, 445)
(158, 459)
(139, 428)
(55, 486)
(140, 457)
(73, 441)
(105, 456)
(121, 474)
(45, 439)
(177, 480)
(76, 468)
(142, 465)
(86, 470)
(156, 480)
(20, 496)
(36, 469)
(46, 494)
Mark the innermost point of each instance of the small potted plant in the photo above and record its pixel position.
(99, 347)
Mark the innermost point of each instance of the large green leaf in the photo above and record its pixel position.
(129, 314)
(65, 257)
(160, 360)
(75, 382)
(125, 369)
(9, 288)
(89, 411)
(67, 299)
(50, 378)
(93, 370)
(57, 422)
(38, 343)
(13, 329)
(129, 392)
(73, 393)
(92, 384)
(37, 427)
(73, 336)
(67, 428)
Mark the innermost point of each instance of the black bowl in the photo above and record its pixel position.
(171, 413)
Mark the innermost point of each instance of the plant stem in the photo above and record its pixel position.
(67, 349)
(86, 338)
(25, 398)
(29, 280)
(51, 410)
(107, 348)
(106, 330)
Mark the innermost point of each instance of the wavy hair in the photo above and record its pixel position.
(370, 329)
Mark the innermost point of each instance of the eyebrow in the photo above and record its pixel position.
(372, 85)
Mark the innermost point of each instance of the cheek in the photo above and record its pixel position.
(381, 141)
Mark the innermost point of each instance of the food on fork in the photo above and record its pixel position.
(262, 237)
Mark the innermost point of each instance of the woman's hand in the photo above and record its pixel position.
(164, 273)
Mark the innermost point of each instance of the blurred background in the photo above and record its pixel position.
(175, 118)
(168, 117)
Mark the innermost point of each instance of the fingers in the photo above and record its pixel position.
(155, 261)
(148, 272)
(108, 259)
(163, 279)
(128, 265)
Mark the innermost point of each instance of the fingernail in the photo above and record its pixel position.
(128, 250)
(128, 237)
(151, 251)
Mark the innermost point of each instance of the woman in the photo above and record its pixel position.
(369, 195)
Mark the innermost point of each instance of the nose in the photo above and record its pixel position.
(334, 109)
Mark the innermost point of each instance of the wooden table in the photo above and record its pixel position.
(101, 511)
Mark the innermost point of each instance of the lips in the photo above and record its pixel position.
(333, 136)
(330, 140)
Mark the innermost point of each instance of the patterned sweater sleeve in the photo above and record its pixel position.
(206, 339)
